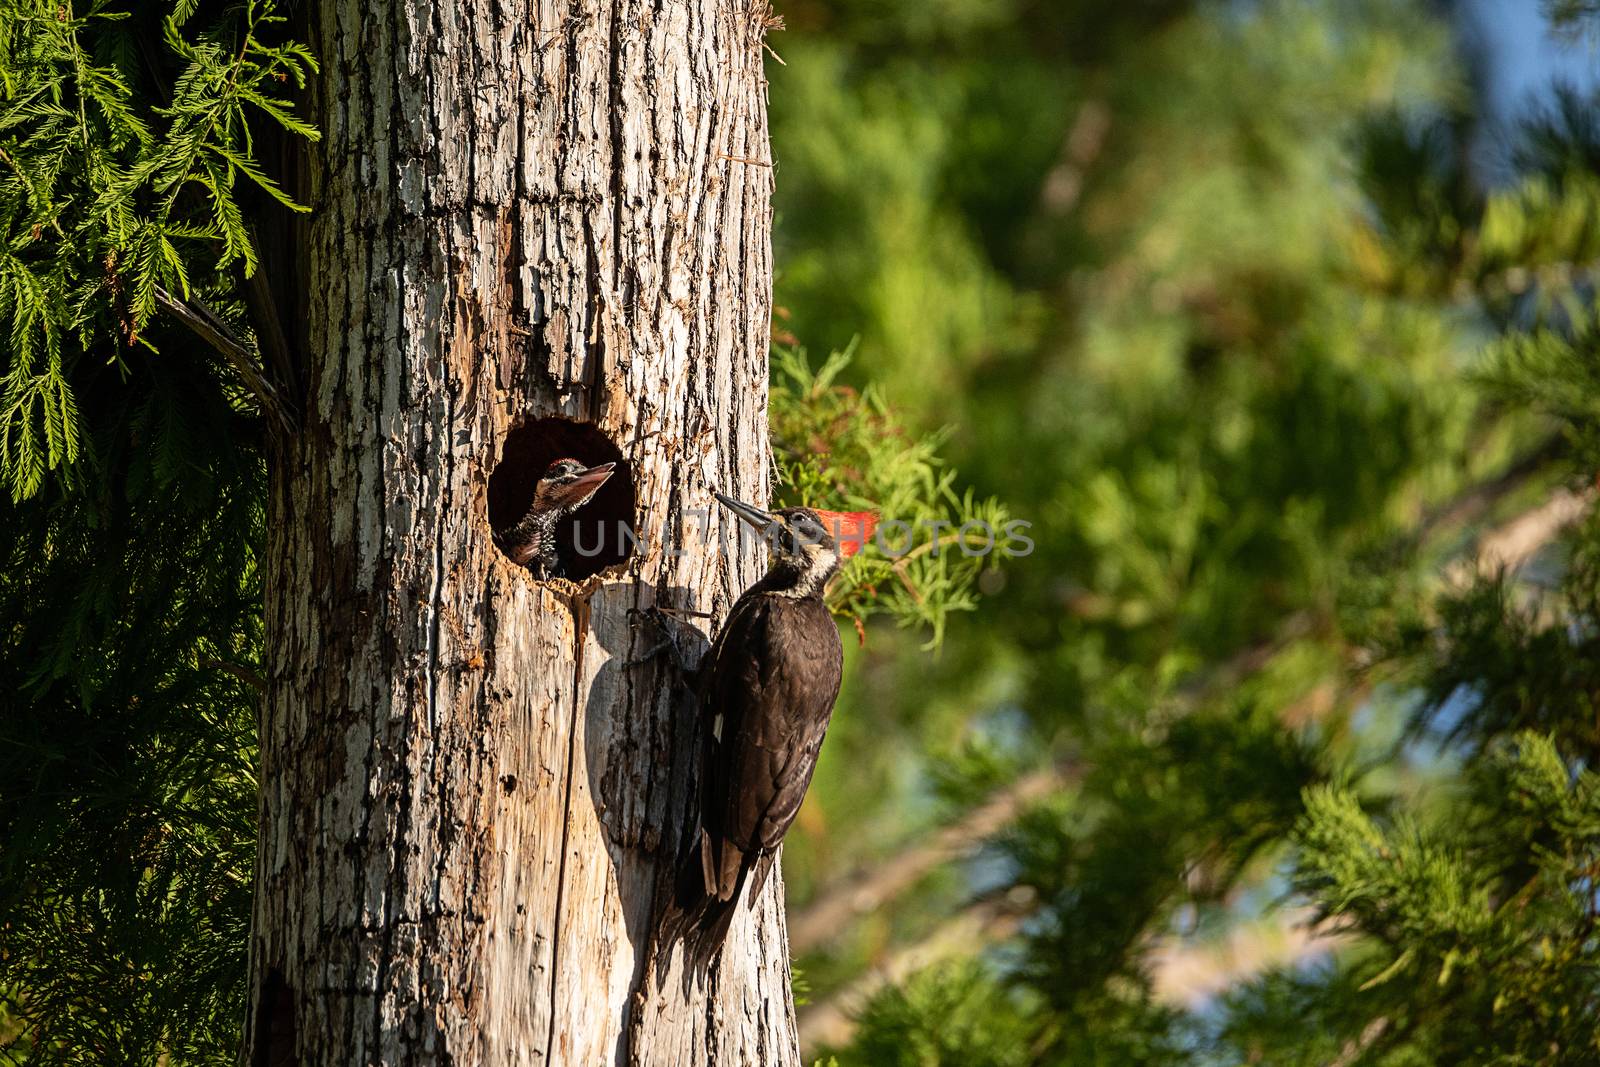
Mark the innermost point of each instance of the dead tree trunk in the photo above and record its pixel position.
(524, 210)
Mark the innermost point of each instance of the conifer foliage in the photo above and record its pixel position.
(841, 447)
(1470, 907)
(1255, 323)
(133, 451)
(124, 138)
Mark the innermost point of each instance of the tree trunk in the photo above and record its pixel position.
(472, 794)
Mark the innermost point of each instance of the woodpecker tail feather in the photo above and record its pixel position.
(716, 916)
(760, 869)
(724, 867)
(700, 919)
(709, 886)
(716, 912)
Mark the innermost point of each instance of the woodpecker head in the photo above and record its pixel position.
(567, 485)
(807, 544)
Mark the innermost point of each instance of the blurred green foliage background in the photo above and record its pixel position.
(1274, 318)
(1271, 317)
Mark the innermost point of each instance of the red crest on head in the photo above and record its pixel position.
(850, 529)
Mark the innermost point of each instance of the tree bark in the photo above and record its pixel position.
(471, 796)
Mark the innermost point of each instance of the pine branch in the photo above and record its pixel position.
(199, 319)
(1085, 141)
(1513, 543)
(1184, 973)
(864, 889)
(249, 677)
(830, 1022)
(1356, 1046)
(268, 323)
(1475, 502)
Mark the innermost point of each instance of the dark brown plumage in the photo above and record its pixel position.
(767, 692)
(775, 677)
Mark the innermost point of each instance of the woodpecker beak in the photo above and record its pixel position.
(754, 516)
(580, 489)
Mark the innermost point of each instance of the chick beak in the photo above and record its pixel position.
(578, 491)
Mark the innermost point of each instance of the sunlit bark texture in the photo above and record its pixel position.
(471, 791)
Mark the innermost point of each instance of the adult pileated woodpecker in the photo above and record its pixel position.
(531, 541)
(767, 694)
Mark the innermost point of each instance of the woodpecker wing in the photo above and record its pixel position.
(774, 678)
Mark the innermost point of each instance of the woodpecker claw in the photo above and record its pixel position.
(661, 619)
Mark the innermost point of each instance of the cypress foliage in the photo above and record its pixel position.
(123, 138)
(848, 448)
(133, 456)
(1265, 379)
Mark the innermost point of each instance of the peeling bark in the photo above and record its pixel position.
(471, 795)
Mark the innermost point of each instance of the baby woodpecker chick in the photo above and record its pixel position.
(531, 541)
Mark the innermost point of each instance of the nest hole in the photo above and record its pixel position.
(597, 536)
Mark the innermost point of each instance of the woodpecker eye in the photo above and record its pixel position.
(807, 529)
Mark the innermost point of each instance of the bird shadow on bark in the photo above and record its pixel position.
(641, 746)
